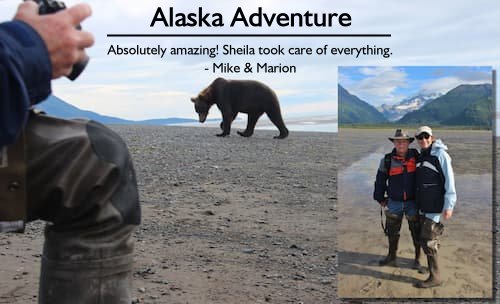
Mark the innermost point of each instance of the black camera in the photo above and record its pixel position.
(50, 7)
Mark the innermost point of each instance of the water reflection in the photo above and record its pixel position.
(355, 185)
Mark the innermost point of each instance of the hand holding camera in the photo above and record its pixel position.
(60, 30)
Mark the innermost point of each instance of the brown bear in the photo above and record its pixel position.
(246, 96)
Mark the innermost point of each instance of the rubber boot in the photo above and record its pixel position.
(434, 278)
(416, 261)
(88, 263)
(86, 282)
(390, 259)
(82, 277)
(393, 226)
(414, 225)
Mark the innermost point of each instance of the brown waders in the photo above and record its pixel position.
(429, 238)
(414, 225)
(80, 179)
(392, 228)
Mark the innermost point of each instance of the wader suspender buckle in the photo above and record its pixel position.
(13, 205)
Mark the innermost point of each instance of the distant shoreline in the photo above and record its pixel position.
(323, 126)
(412, 126)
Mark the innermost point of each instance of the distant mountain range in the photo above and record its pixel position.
(397, 111)
(59, 108)
(353, 110)
(465, 105)
(469, 105)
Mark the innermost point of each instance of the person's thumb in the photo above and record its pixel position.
(26, 10)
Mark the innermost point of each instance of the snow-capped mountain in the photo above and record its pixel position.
(396, 111)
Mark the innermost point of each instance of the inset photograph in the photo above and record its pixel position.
(415, 182)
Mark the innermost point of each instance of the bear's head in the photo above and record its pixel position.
(202, 103)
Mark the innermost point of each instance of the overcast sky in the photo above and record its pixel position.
(428, 33)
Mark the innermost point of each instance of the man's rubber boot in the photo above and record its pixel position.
(414, 225)
(90, 283)
(434, 278)
(84, 278)
(393, 226)
(390, 259)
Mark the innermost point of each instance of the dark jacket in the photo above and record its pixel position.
(25, 74)
(396, 177)
(435, 181)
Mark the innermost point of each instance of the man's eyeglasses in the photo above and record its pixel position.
(422, 136)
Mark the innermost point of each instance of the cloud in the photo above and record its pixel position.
(328, 107)
(475, 75)
(380, 84)
(375, 71)
(444, 84)
(441, 85)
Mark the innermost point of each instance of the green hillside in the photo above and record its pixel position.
(476, 114)
(353, 110)
(466, 105)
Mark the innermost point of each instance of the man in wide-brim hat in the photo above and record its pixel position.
(395, 190)
(402, 135)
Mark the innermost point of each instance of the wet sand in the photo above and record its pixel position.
(466, 246)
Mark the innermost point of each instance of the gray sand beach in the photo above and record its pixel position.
(225, 220)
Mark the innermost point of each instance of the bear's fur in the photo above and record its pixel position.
(246, 96)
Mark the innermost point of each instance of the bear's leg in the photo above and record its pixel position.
(226, 124)
(234, 117)
(275, 117)
(252, 121)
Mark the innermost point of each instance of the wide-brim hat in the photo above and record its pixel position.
(400, 134)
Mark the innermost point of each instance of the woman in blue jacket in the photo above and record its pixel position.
(436, 197)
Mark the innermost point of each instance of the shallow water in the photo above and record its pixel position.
(356, 182)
